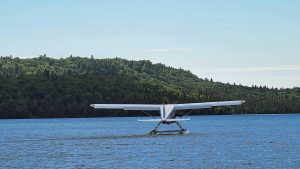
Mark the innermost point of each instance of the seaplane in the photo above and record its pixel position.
(167, 112)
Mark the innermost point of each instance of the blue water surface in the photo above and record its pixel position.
(238, 141)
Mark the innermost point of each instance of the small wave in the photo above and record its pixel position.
(90, 138)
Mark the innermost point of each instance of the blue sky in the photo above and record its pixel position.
(248, 42)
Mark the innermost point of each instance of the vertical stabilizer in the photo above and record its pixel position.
(162, 112)
(169, 109)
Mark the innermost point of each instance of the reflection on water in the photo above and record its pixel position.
(252, 141)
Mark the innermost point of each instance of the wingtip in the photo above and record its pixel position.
(92, 105)
(243, 101)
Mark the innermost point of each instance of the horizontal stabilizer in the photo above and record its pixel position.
(158, 120)
(177, 119)
(150, 120)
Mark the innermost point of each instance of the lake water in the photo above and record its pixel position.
(239, 141)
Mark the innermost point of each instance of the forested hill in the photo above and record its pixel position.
(46, 87)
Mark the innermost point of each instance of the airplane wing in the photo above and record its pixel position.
(127, 106)
(205, 105)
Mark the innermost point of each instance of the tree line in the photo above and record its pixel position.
(45, 87)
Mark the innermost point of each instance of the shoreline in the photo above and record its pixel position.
(248, 114)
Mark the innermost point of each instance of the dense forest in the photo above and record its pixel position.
(45, 87)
